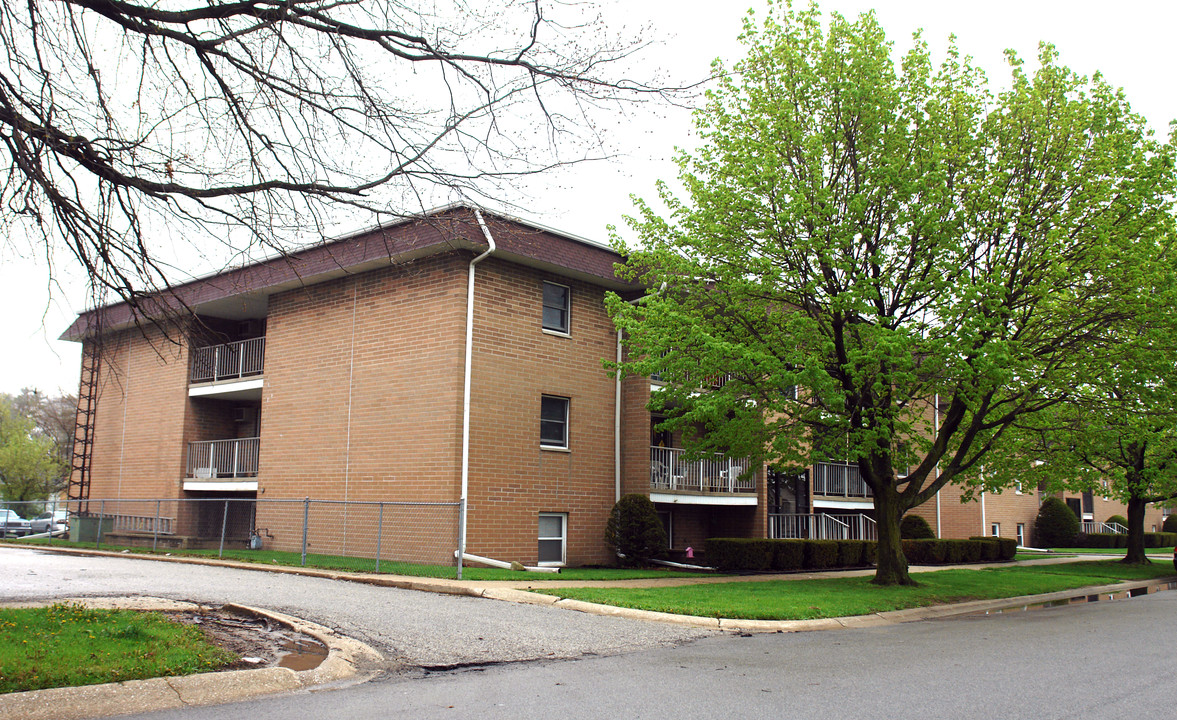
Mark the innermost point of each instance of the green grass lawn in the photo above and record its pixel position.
(67, 644)
(354, 564)
(840, 597)
(1111, 551)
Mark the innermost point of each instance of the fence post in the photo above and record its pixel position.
(306, 512)
(101, 517)
(379, 533)
(155, 528)
(224, 522)
(461, 533)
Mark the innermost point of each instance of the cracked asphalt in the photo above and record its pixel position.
(410, 628)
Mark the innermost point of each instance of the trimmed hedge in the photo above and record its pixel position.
(915, 527)
(1112, 540)
(757, 555)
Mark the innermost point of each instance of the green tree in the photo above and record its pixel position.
(925, 260)
(1056, 524)
(29, 464)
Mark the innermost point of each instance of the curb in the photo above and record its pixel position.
(345, 659)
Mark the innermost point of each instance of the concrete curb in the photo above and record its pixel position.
(346, 659)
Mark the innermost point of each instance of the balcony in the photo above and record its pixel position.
(223, 465)
(230, 371)
(822, 526)
(839, 479)
(712, 480)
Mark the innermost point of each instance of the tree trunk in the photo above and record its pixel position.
(892, 563)
(1135, 554)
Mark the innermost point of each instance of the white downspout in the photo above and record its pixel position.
(617, 427)
(466, 382)
(936, 436)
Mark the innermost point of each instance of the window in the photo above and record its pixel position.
(556, 302)
(995, 529)
(553, 422)
(553, 538)
(1021, 534)
(667, 521)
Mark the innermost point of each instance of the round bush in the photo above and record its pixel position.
(1170, 524)
(914, 527)
(1117, 519)
(1056, 525)
(635, 531)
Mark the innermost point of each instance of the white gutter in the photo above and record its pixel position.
(466, 382)
(617, 427)
(936, 436)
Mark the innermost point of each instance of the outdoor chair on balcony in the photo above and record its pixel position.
(664, 477)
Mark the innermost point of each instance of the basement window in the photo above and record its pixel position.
(553, 538)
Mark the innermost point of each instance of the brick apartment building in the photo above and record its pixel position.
(343, 373)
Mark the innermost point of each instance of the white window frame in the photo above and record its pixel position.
(995, 529)
(562, 537)
(547, 444)
(1022, 534)
(567, 330)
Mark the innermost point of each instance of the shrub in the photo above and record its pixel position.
(1117, 519)
(1170, 524)
(821, 554)
(1160, 539)
(635, 531)
(914, 527)
(850, 553)
(870, 552)
(788, 554)
(739, 554)
(1056, 525)
(988, 548)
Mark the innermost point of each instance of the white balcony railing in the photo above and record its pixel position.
(839, 480)
(228, 361)
(1114, 528)
(213, 459)
(820, 526)
(671, 471)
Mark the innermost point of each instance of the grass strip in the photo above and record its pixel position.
(841, 597)
(1111, 551)
(67, 644)
(387, 567)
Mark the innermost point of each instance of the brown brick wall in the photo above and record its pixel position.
(515, 363)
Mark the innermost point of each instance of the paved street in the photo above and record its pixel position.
(1107, 659)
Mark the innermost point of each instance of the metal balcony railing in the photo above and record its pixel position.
(228, 361)
(820, 526)
(213, 459)
(670, 471)
(1114, 528)
(839, 480)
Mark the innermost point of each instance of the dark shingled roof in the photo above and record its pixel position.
(446, 230)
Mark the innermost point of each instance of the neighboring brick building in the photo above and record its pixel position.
(338, 373)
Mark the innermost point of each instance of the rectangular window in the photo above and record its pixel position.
(553, 422)
(1021, 534)
(553, 537)
(667, 521)
(996, 530)
(556, 306)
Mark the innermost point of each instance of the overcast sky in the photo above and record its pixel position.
(1129, 41)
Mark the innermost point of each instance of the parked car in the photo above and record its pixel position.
(13, 524)
(57, 520)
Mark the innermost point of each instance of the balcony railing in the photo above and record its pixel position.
(671, 471)
(839, 480)
(1115, 528)
(213, 459)
(228, 361)
(854, 526)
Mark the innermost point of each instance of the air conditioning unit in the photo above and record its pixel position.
(242, 414)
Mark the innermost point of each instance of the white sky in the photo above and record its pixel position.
(1130, 41)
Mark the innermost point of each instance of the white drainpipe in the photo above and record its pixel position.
(617, 427)
(466, 383)
(936, 436)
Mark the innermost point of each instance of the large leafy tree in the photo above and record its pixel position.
(1117, 433)
(926, 261)
(30, 467)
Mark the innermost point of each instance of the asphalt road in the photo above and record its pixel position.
(1107, 659)
(410, 628)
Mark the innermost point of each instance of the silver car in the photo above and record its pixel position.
(55, 521)
(13, 524)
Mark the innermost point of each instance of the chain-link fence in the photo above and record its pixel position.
(395, 537)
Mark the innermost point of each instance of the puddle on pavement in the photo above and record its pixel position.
(301, 655)
(1082, 599)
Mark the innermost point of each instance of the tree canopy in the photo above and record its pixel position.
(128, 125)
(31, 463)
(928, 261)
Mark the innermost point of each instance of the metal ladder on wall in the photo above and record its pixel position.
(79, 479)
